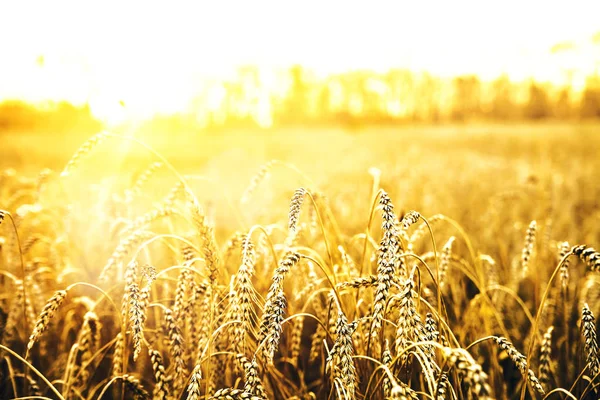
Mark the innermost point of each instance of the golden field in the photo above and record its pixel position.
(429, 262)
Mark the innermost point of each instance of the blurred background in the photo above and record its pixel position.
(463, 108)
(421, 91)
(202, 66)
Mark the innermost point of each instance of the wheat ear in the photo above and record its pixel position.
(588, 327)
(46, 316)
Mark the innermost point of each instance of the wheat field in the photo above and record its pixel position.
(430, 265)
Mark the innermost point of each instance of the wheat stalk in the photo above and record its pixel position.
(296, 340)
(145, 176)
(46, 315)
(545, 357)
(528, 247)
(564, 268)
(253, 383)
(442, 387)
(520, 362)
(193, 388)
(233, 394)
(295, 207)
(176, 348)
(136, 387)
(588, 327)
(471, 373)
(445, 260)
(386, 359)
(206, 235)
(244, 288)
(161, 388)
(136, 318)
(340, 362)
(588, 255)
(83, 151)
(386, 263)
(359, 282)
(260, 176)
(403, 392)
(117, 367)
(410, 218)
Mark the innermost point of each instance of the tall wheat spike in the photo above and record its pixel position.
(588, 330)
(520, 362)
(528, 247)
(83, 151)
(295, 207)
(46, 316)
(409, 325)
(588, 255)
(340, 361)
(470, 372)
(193, 390)
(546, 357)
(161, 388)
(564, 268)
(445, 260)
(176, 348)
(386, 263)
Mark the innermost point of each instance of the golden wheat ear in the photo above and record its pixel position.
(588, 330)
(52, 305)
(86, 148)
(545, 357)
(295, 207)
(473, 376)
(588, 255)
(520, 362)
(528, 247)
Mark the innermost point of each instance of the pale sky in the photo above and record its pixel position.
(156, 52)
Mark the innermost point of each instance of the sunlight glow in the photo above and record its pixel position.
(155, 59)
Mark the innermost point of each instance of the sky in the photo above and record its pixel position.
(153, 54)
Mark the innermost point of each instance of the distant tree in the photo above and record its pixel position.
(538, 105)
(467, 97)
(563, 108)
(590, 101)
(403, 90)
(503, 104)
(296, 108)
(428, 94)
